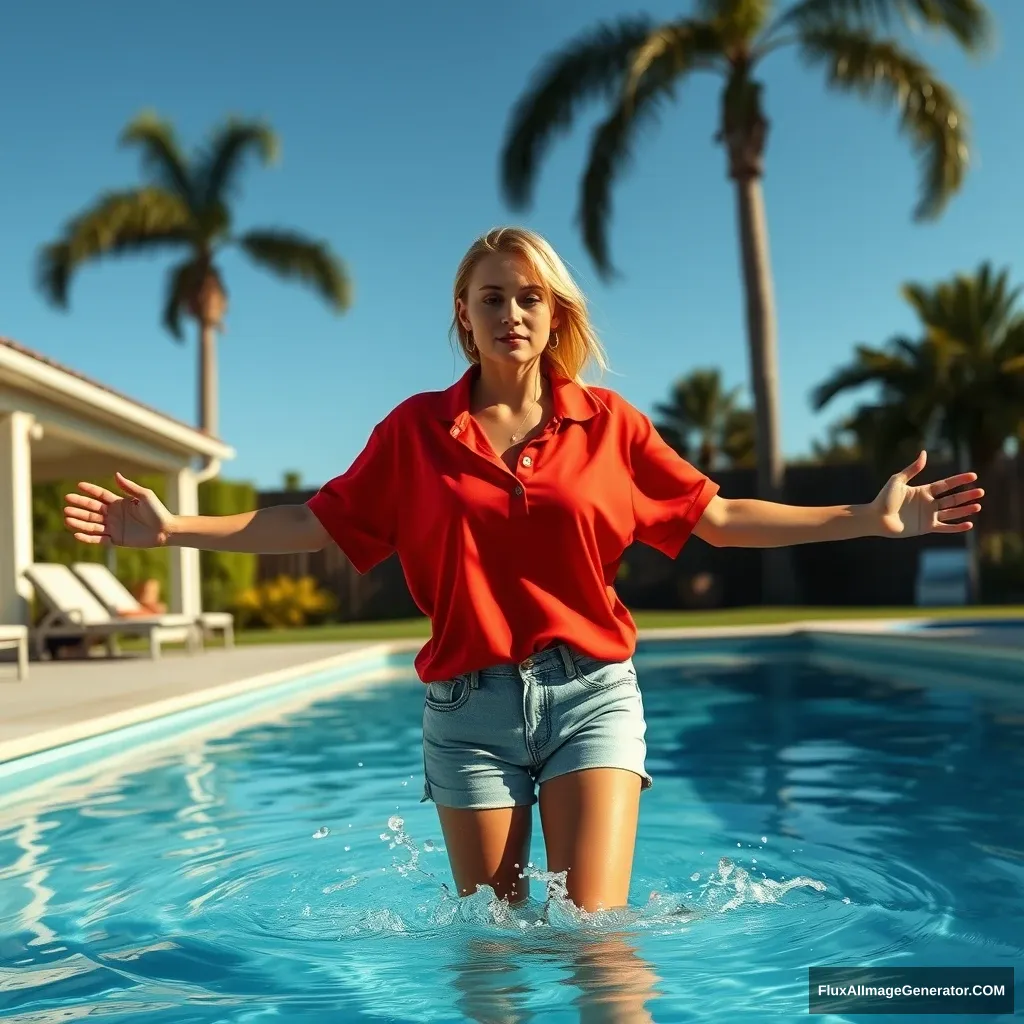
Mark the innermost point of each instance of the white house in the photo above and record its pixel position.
(56, 423)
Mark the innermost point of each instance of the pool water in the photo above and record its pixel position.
(288, 872)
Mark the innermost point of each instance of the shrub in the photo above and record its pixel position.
(225, 574)
(286, 602)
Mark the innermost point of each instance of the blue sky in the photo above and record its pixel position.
(391, 117)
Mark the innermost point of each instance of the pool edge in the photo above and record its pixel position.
(47, 753)
(89, 728)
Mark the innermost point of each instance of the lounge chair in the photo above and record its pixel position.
(16, 636)
(74, 613)
(119, 600)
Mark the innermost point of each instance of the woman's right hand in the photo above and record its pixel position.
(137, 519)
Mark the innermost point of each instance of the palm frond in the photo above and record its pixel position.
(888, 435)
(868, 366)
(929, 112)
(183, 281)
(161, 155)
(289, 255)
(666, 55)
(119, 222)
(967, 21)
(232, 142)
(975, 308)
(670, 51)
(590, 66)
(739, 437)
(739, 21)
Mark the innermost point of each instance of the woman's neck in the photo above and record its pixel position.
(513, 388)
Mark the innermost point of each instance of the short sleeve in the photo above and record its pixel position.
(669, 494)
(359, 508)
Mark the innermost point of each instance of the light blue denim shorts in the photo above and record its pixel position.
(491, 737)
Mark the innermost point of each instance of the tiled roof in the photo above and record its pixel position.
(39, 357)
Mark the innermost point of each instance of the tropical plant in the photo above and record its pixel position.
(959, 387)
(185, 204)
(699, 405)
(739, 438)
(841, 444)
(636, 64)
(285, 603)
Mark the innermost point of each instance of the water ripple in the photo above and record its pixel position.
(289, 870)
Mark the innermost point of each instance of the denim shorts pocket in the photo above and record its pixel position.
(603, 675)
(448, 695)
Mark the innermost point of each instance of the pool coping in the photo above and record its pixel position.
(64, 735)
(875, 643)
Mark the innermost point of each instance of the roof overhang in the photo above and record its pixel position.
(54, 386)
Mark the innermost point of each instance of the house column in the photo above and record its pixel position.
(15, 516)
(186, 597)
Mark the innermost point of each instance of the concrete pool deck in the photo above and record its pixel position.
(64, 701)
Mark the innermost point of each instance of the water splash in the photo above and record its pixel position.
(732, 886)
(399, 837)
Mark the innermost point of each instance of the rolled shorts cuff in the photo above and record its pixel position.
(468, 799)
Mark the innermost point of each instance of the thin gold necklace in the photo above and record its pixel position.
(516, 435)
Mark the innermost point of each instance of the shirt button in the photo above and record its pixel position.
(518, 491)
(527, 461)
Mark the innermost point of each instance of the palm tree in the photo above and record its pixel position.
(700, 405)
(961, 386)
(185, 205)
(739, 437)
(637, 64)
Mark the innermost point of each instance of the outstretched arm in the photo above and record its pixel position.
(899, 510)
(138, 519)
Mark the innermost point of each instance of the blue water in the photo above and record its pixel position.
(287, 872)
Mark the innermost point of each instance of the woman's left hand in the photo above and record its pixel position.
(905, 511)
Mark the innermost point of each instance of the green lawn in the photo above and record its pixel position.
(419, 628)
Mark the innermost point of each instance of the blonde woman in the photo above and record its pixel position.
(510, 499)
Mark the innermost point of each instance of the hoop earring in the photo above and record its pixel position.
(553, 343)
(470, 343)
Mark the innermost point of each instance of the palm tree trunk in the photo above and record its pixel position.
(208, 378)
(778, 580)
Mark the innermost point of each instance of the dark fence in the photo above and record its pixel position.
(866, 572)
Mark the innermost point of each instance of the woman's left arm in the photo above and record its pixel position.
(899, 510)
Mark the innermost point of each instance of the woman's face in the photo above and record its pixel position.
(507, 310)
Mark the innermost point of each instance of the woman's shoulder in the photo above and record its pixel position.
(614, 404)
(416, 407)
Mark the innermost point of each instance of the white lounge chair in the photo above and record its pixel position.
(119, 600)
(17, 636)
(73, 612)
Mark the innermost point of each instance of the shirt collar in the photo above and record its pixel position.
(571, 401)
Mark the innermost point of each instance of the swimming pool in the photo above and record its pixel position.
(285, 870)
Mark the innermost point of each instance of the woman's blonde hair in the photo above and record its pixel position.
(578, 344)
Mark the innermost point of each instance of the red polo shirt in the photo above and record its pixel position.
(506, 564)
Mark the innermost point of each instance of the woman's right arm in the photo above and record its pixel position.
(279, 529)
(139, 519)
